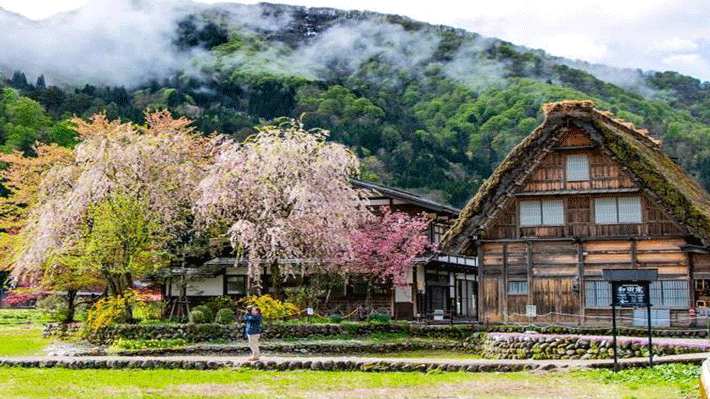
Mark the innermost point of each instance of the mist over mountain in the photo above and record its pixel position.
(129, 42)
(426, 107)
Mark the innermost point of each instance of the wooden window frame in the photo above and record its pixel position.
(567, 169)
(541, 222)
(524, 283)
(226, 284)
(664, 292)
(596, 305)
(616, 211)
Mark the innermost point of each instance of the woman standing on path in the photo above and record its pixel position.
(252, 328)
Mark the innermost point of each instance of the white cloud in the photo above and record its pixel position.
(629, 34)
(574, 46)
(673, 45)
(692, 64)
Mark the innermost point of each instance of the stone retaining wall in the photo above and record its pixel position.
(561, 347)
(212, 332)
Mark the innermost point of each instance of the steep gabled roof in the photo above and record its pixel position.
(404, 196)
(685, 200)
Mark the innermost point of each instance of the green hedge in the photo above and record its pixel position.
(232, 332)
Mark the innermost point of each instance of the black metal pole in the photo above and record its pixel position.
(650, 344)
(613, 328)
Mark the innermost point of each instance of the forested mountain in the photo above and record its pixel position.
(428, 108)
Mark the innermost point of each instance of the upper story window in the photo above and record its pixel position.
(437, 232)
(542, 213)
(617, 210)
(577, 168)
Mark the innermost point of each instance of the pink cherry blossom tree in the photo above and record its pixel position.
(285, 198)
(117, 169)
(384, 248)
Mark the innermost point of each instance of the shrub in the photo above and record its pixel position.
(271, 308)
(379, 318)
(336, 318)
(149, 310)
(130, 344)
(208, 313)
(198, 317)
(109, 311)
(224, 316)
(221, 302)
(54, 307)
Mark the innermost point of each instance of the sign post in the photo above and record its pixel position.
(531, 312)
(631, 288)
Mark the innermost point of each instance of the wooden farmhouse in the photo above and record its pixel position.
(448, 276)
(582, 193)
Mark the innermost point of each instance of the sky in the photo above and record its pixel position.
(651, 34)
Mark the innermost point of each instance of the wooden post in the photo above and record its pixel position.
(505, 281)
(479, 286)
(633, 254)
(650, 345)
(613, 328)
(530, 272)
(691, 282)
(580, 281)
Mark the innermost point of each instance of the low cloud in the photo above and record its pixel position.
(105, 42)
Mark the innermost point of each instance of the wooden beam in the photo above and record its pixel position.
(575, 148)
(479, 286)
(529, 264)
(505, 282)
(580, 280)
(691, 282)
(578, 192)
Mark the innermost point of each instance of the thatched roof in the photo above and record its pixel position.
(685, 200)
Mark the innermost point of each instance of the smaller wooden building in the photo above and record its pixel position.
(582, 193)
(437, 283)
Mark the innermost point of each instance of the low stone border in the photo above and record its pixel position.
(334, 348)
(315, 364)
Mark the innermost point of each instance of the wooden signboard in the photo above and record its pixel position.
(630, 293)
(630, 288)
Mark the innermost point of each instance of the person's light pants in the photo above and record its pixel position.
(254, 344)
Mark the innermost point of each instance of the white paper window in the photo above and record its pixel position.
(530, 213)
(597, 294)
(517, 287)
(629, 209)
(537, 213)
(669, 293)
(617, 210)
(577, 168)
(605, 210)
(552, 213)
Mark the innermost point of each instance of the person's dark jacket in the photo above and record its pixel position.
(252, 324)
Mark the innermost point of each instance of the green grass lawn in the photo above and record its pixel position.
(22, 340)
(21, 332)
(62, 383)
